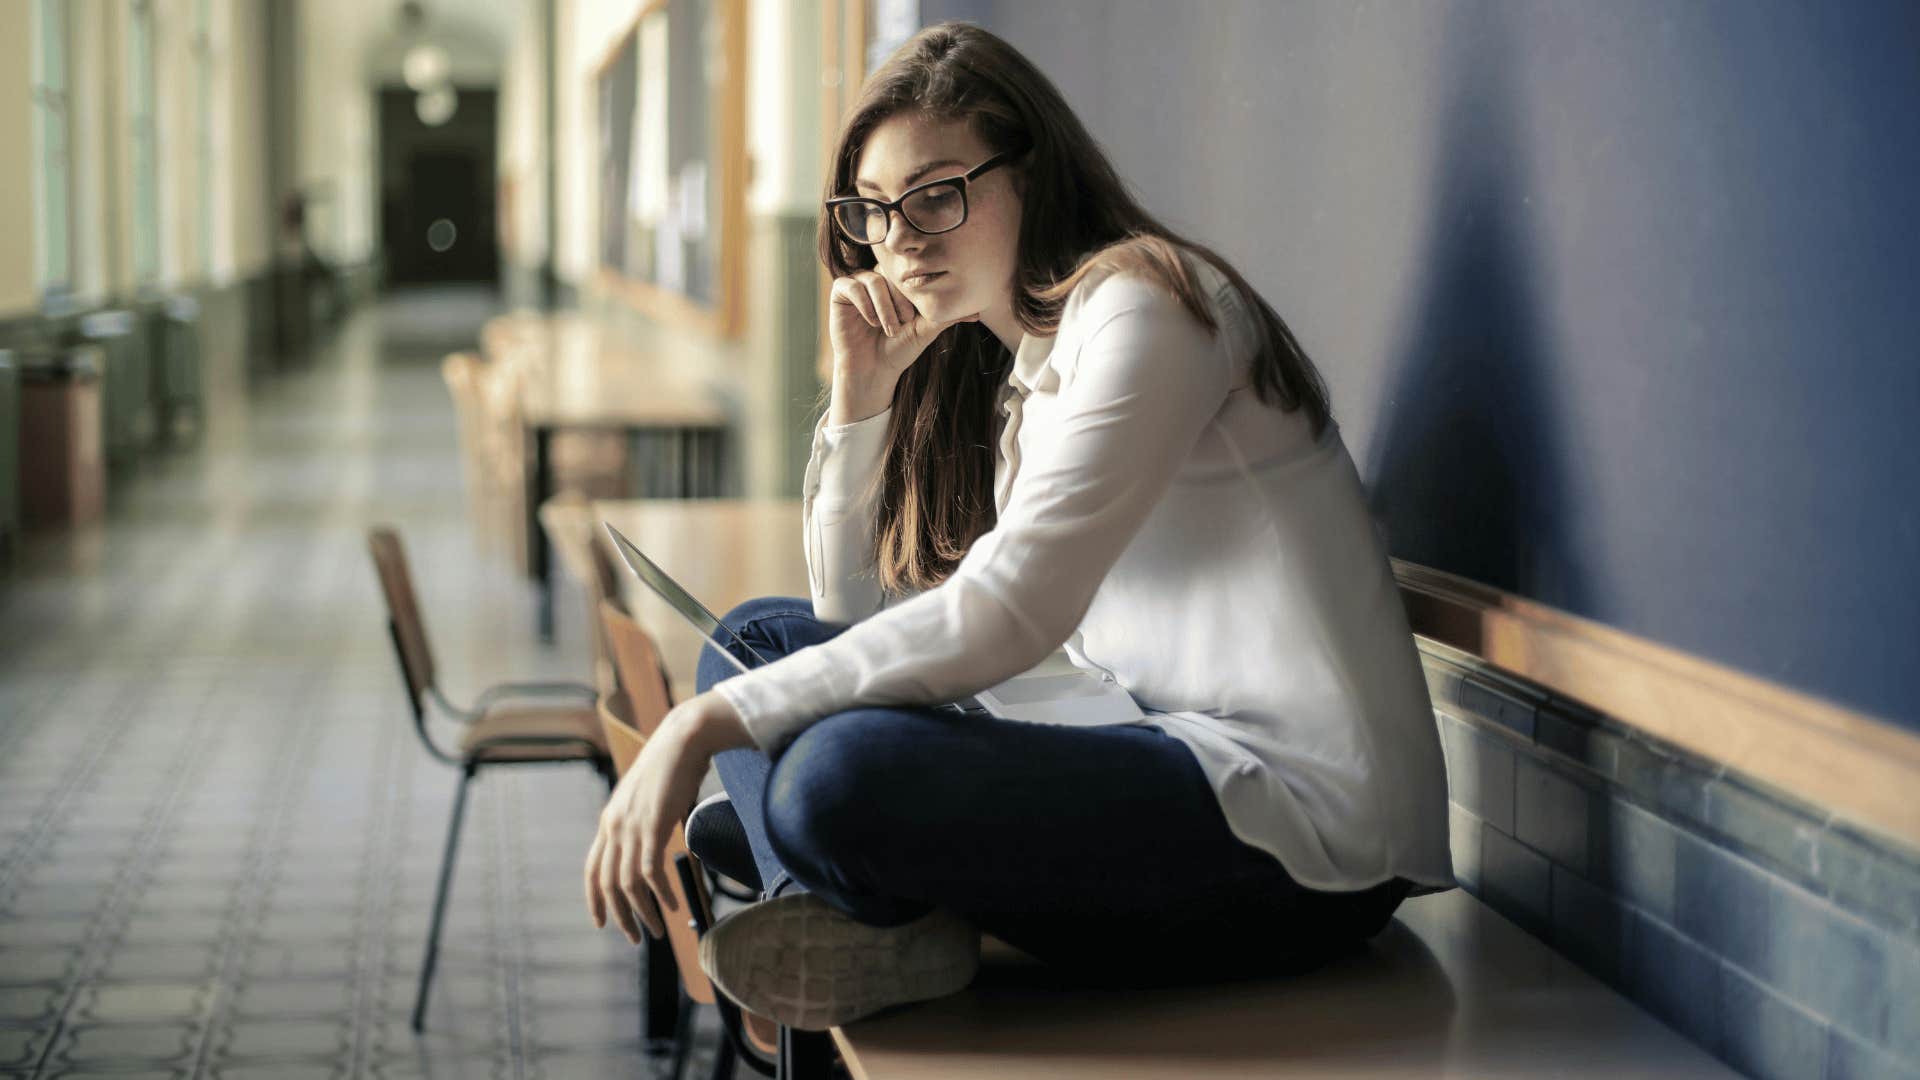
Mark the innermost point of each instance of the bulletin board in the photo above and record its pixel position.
(669, 99)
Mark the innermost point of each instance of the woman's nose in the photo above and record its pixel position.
(905, 237)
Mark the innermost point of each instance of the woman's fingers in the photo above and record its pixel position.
(638, 900)
(596, 904)
(653, 864)
(902, 306)
(614, 882)
(611, 886)
(880, 291)
(853, 292)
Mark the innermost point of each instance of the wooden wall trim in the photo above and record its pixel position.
(1863, 770)
(843, 58)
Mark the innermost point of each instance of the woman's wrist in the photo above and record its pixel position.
(713, 725)
(857, 398)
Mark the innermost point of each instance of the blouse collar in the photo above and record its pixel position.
(1028, 362)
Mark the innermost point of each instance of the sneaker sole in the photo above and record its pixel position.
(799, 961)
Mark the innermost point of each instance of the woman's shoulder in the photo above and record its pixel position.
(1146, 288)
(1113, 285)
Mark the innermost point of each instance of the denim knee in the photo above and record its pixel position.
(712, 667)
(761, 606)
(822, 795)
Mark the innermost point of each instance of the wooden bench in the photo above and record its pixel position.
(1448, 989)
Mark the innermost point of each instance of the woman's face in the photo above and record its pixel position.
(975, 262)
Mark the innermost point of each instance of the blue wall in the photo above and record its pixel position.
(1619, 302)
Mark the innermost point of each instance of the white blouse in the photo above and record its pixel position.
(1179, 536)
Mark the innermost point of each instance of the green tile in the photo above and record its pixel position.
(1553, 814)
(1766, 1036)
(1516, 881)
(1480, 772)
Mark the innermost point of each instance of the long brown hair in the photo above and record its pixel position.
(936, 485)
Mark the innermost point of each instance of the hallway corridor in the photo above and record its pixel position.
(218, 834)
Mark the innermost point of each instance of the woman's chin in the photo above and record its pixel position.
(927, 306)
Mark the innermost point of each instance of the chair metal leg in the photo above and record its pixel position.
(682, 1039)
(805, 1055)
(440, 898)
(723, 1061)
(660, 983)
(734, 1036)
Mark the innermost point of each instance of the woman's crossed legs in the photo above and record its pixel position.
(1102, 849)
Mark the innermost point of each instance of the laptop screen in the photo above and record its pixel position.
(725, 641)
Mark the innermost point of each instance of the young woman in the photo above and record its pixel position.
(1052, 424)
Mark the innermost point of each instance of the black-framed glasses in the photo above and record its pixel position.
(936, 206)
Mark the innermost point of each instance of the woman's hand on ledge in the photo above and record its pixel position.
(626, 871)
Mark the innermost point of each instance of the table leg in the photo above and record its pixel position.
(676, 463)
(636, 485)
(688, 443)
(539, 552)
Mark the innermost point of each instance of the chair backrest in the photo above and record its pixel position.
(410, 632)
(568, 520)
(625, 740)
(636, 661)
(605, 574)
(603, 587)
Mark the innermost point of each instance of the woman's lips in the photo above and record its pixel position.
(918, 280)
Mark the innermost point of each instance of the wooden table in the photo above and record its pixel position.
(723, 551)
(573, 379)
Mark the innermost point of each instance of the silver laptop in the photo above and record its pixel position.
(1053, 692)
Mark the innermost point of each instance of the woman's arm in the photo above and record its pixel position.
(876, 335)
(839, 500)
(1148, 379)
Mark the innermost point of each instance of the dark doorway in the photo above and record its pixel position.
(437, 190)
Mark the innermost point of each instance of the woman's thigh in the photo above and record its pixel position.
(773, 627)
(1089, 846)
(1069, 843)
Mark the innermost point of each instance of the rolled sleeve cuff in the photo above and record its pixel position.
(848, 455)
(779, 701)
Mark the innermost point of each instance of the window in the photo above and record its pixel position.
(144, 130)
(53, 142)
(209, 155)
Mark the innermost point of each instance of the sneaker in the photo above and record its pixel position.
(809, 966)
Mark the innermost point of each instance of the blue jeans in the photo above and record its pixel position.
(1102, 849)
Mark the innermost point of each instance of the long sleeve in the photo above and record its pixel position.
(837, 505)
(1146, 380)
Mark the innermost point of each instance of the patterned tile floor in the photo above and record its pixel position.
(218, 836)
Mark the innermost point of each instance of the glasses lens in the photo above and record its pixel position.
(863, 223)
(936, 209)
